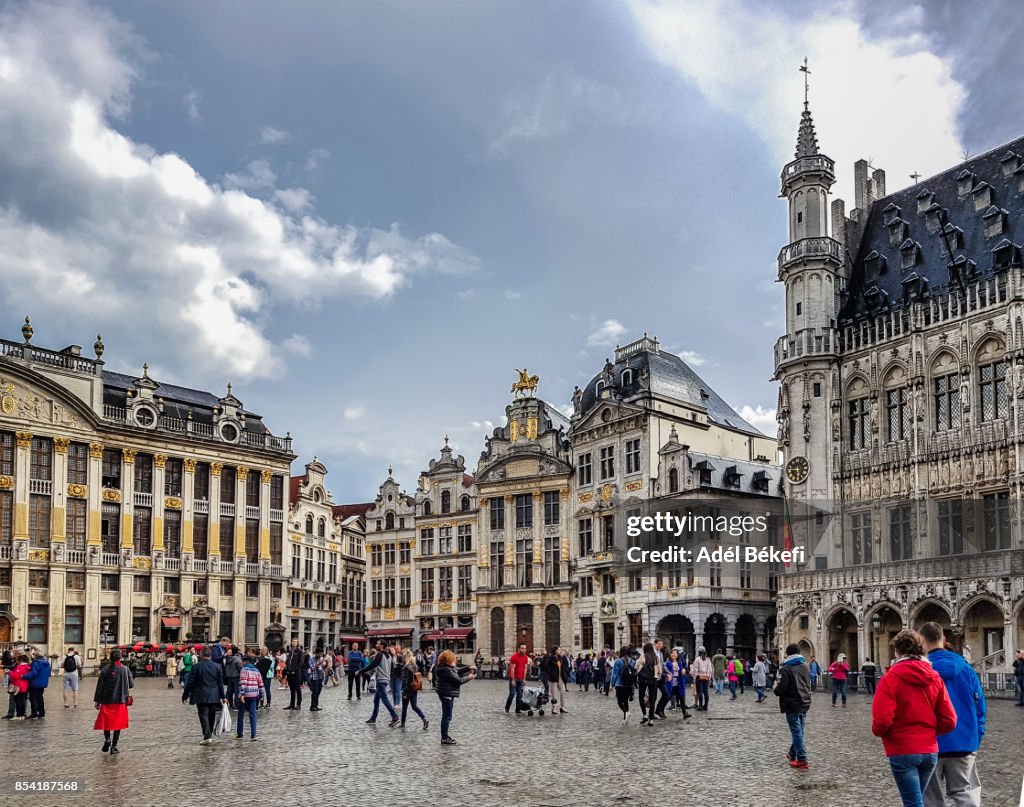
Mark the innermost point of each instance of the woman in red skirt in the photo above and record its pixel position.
(112, 700)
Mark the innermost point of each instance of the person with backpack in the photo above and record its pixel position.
(794, 693)
(72, 666)
(448, 682)
(412, 685)
(731, 675)
(759, 676)
(648, 675)
(719, 661)
(703, 670)
(741, 670)
(188, 660)
(112, 699)
(265, 665)
(623, 680)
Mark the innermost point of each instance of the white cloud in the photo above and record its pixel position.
(295, 200)
(692, 358)
(744, 58)
(486, 425)
(271, 136)
(513, 295)
(191, 101)
(466, 294)
(760, 418)
(354, 411)
(93, 222)
(607, 334)
(315, 160)
(297, 345)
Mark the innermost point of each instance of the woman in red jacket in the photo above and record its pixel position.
(911, 708)
(17, 678)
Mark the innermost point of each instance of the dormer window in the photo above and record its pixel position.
(876, 298)
(964, 183)
(915, 288)
(982, 195)
(875, 264)
(1005, 255)
(890, 214)
(961, 270)
(995, 221)
(910, 251)
(704, 469)
(897, 231)
(924, 200)
(627, 378)
(599, 388)
(733, 476)
(951, 239)
(760, 481)
(1019, 173)
(934, 217)
(1010, 162)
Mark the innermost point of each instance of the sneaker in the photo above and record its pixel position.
(802, 764)
(794, 763)
(563, 711)
(253, 739)
(447, 741)
(113, 750)
(650, 724)
(687, 715)
(394, 723)
(206, 742)
(625, 718)
(371, 722)
(426, 725)
(844, 705)
(238, 736)
(509, 706)
(11, 717)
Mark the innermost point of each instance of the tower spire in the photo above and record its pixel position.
(806, 138)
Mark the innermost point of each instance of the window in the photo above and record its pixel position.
(309, 525)
(858, 417)
(404, 553)
(172, 585)
(38, 623)
(38, 578)
(636, 581)
(201, 587)
(426, 585)
(816, 387)
(251, 618)
(947, 402)
(465, 582)
(586, 586)
(377, 594)
(75, 581)
(636, 629)
(110, 582)
(673, 480)
(426, 507)
(898, 409)
(992, 384)
(465, 534)
(426, 541)
(252, 540)
(276, 492)
(141, 584)
(608, 530)
(308, 565)
(6, 517)
(172, 477)
(951, 526)
(444, 540)
(584, 471)
(524, 510)
(78, 464)
(321, 528)
(586, 632)
(860, 528)
(74, 622)
(901, 541)
(497, 506)
(633, 456)
(607, 462)
(7, 453)
(464, 504)
(226, 624)
(444, 583)
(110, 527)
(228, 486)
(75, 523)
(404, 592)
(227, 588)
(715, 575)
(39, 523)
(111, 468)
(41, 459)
(142, 531)
(253, 488)
(446, 501)
(140, 624)
(552, 560)
(201, 482)
(586, 537)
(144, 473)
(172, 533)
(552, 499)
(200, 536)
(524, 562)
(607, 584)
(497, 559)
(997, 521)
(252, 589)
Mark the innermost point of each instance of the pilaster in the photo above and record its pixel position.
(127, 502)
(213, 526)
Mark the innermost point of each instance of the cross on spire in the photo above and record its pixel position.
(807, 72)
(915, 176)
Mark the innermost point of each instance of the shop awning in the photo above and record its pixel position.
(432, 636)
(171, 621)
(353, 639)
(457, 633)
(388, 632)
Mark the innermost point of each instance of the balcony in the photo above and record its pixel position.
(67, 359)
(252, 569)
(811, 164)
(276, 515)
(143, 499)
(276, 570)
(172, 564)
(110, 559)
(252, 512)
(40, 486)
(199, 565)
(805, 343)
(75, 556)
(201, 506)
(427, 608)
(810, 249)
(5, 554)
(227, 510)
(465, 606)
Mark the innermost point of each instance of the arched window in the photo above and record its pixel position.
(426, 507)
(321, 529)
(389, 521)
(673, 480)
(626, 378)
(378, 525)
(446, 501)
(309, 525)
(498, 632)
(464, 504)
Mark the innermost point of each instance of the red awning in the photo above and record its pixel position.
(171, 621)
(386, 632)
(353, 639)
(457, 633)
(432, 636)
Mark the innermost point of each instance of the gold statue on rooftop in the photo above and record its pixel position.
(527, 384)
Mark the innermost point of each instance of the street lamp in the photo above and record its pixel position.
(105, 627)
(876, 627)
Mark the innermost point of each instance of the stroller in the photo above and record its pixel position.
(535, 698)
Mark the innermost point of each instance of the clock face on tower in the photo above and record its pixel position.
(797, 470)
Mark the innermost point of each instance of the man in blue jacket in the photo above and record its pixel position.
(956, 775)
(38, 679)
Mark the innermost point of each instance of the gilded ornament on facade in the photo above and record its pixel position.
(531, 428)
(159, 460)
(78, 491)
(585, 497)
(631, 486)
(24, 439)
(110, 495)
(216, 468)
(189, 465)
(514, 430)
(445, 607)
(606, 493)
(142, 563)
(39, 554)
(172, 503)
(6, 482)
(266, 476)
(8, 405)
(96, 451)
(242, 473)
(60, 444)
(129, 455)
(526, 385)
(389, 613)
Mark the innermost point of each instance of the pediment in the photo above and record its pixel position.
(29, 399)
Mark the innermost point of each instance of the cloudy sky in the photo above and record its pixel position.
(365, 215)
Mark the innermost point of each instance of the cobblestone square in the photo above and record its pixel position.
(731, 755)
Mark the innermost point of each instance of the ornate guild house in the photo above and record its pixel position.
(900, 404)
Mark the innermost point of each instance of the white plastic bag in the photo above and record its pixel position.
(224, 722)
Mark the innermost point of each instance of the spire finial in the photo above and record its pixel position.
(389, 470)
(915, 176)
(98, 346)
(145, 369)
(807, 72)
(229, 388)
(27, 330)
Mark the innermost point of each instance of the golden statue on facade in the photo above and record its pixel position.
(527, 384)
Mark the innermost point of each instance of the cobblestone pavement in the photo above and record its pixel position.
(731, 755)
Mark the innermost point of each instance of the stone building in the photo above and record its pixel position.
(901, 396)
(390, 541)
(445, 555)
(644, 401)
(524, 588)
(132, 510)
(327, 564)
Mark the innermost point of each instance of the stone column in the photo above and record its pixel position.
(241, 475)
(159, 474)
(22, 465)
(58, 506)
(213, 519)
(188, 484)
(58, 600)
(95, 494)
(127, 501)
(510, 542)
(265, 477)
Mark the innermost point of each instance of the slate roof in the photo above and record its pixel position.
(878, 280)
(344, 511)
(738, 476)
(669, 377)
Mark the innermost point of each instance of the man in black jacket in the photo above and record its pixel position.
(1018, 673)
(295, 670)
(794, 691)
(205, 691)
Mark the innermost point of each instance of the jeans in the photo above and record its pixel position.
(208, 714)
(515, 692)
(354, 682)
(814, 682)
(837, 687)
(732, 689)
(35, 697)
(702, 694)
(267, 687)
(719, 685)
(956, 778)
(796, 721)
(447, 707)
(912, 772)
(396, 690)
(380, 695)
(1020, 689)
(248, 706)
(231, 687)
(409, 699)
(19, 704)
(760, 693)
(315, 687)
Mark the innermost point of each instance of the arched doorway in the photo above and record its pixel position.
(715, 637)
(842, 638)
(6, 626)
(806, 650)
(883, 625)
(552, 626)
(983, 631)
(677, 631)
(524, 627)
(746, 637)
(498, 632)
(933, 612)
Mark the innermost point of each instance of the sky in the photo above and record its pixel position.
(366, 216)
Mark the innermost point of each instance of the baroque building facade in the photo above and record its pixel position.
(132, 510)
(638, 431)
(390, 542)
(900, 405)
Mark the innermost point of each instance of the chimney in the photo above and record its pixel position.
(878, 177)
(839, 220)
(860, 185)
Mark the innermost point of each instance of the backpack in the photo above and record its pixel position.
(70, 664)
(417, 682)
(739, 667)
(627, 677)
